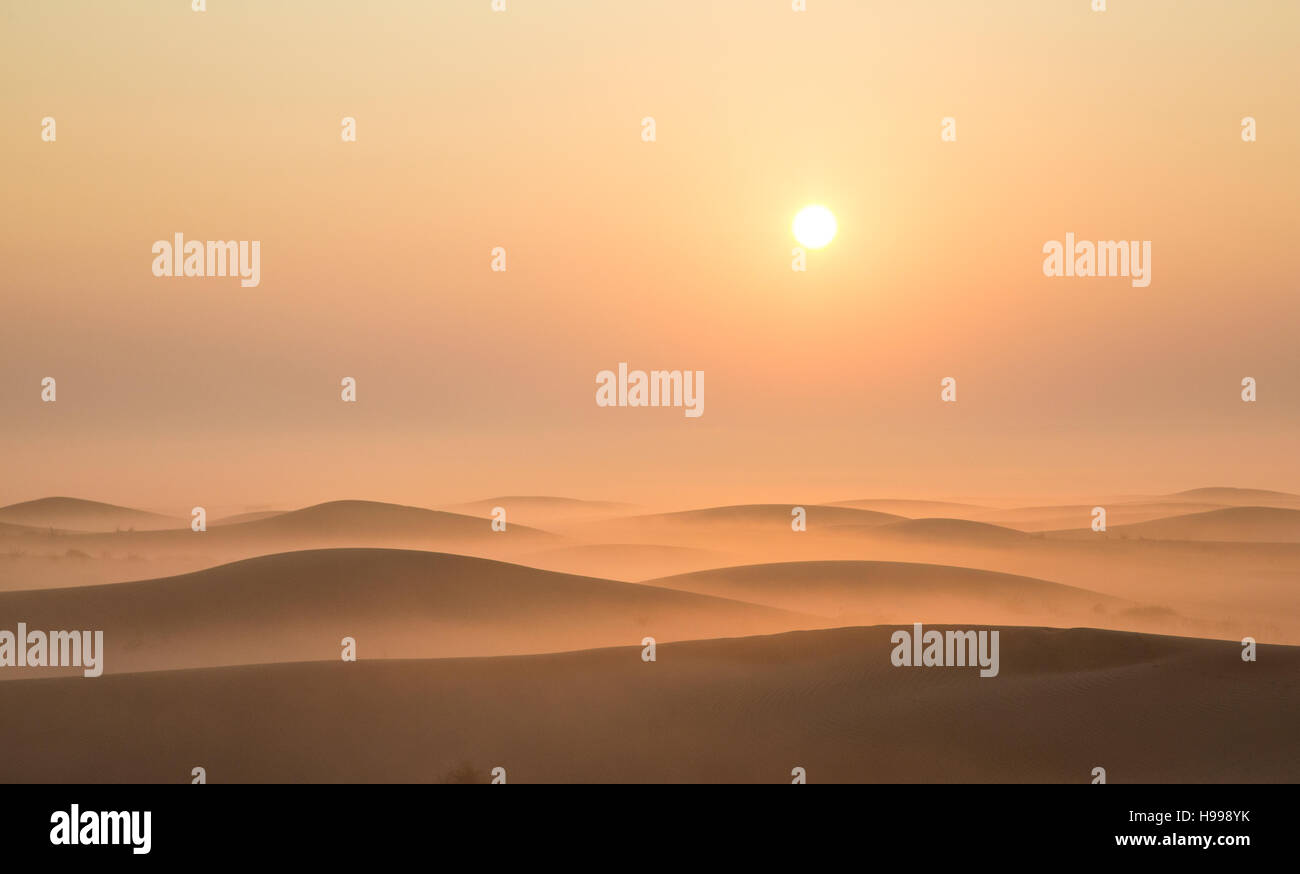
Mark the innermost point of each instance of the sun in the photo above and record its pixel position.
(814, 226)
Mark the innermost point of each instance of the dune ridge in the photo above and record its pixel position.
(1146, 708)
(298, 606)
(79, 514)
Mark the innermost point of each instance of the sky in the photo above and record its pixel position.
(523, 129)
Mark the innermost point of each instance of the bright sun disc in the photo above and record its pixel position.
(814, 226)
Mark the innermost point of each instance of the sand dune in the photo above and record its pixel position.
(76, 514)
(40, 561)
(771, 515)
(1147, 709)
(544, 510)
(626, 561)
(1227, 589)
(874, 592)
(1079, 516)
(913, 509)
(1121, 510)
(951, 531)
(253, 516)
(395, 603)
(1220, 588)
(1241, 497)
(723, 527)
(1249, 524)
(1187, 577)
(266, 697)
(373, 519)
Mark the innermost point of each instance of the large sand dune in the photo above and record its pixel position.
(874, 592)
(31, 559)
(1222, 587)
(1147, 709)
(1234, 524)
(370, 519)
(468, 663)
(394, 603)
(77, 514)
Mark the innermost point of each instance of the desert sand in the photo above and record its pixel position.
(523, 649)
(1145, 708)
(298, 606)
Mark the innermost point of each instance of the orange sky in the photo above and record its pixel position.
(522, 130)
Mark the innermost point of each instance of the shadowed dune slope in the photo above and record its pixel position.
(1240, 497)
(1230, 524)
(35, 560)
(1147, 709)
(396, 604)
(882, 591)
(332, 523)
(342, 519)
(253, 516)
(76, 514)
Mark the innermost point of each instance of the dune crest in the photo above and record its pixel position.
(1147, 708)
(78, 514)
(298, 606)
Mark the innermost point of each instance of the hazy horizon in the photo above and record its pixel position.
(181, 509)
(477, 130)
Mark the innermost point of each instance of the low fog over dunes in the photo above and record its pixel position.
(76, 514)
(872, 592)
(394, 603)
(32, 559)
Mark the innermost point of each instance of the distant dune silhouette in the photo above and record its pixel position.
(372, 518)
(544, 510)
(952, 531)
(629, 561)
(1247, 497)
(913, 509)
(718, 527)
(42, 561)
(1245, 524)
(76, 514)
(1079, 516)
